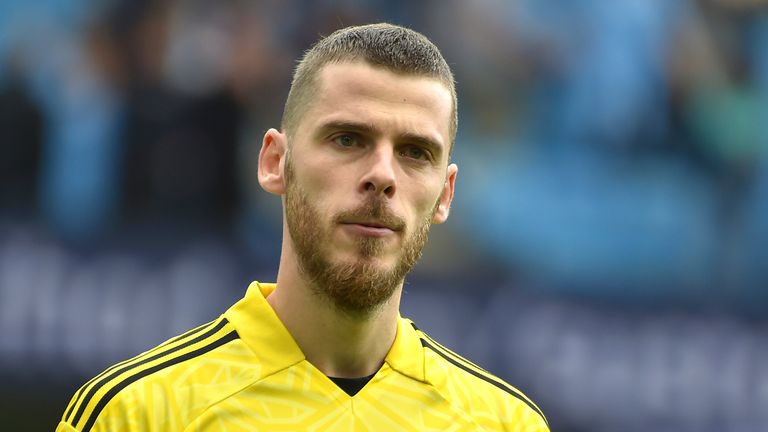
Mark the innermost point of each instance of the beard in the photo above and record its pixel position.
(358, 287)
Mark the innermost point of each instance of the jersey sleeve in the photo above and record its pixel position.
(122, 412)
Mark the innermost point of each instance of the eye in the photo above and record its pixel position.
(414, 152)
(345, 140)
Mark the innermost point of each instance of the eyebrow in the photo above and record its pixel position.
(339, 125)
(370, 129)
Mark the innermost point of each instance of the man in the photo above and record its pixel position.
(362, 166)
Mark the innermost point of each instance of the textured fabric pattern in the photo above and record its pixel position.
(244, 372)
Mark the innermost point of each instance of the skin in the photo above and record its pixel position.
(368, 134)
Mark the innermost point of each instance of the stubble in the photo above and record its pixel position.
(358, 287)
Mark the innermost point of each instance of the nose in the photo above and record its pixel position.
(379, 177)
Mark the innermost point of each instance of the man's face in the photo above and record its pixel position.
(366, 175)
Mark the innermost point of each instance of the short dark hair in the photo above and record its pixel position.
(392, 47)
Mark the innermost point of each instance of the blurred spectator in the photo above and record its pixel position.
(21, 126)
(182, 124)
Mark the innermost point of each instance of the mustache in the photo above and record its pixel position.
(374, 209)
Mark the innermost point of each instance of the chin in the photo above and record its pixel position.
(379, 260)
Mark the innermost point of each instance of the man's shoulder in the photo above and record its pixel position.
(466, 384)
(179, 378)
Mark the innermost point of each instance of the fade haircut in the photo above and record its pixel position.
(389, 46)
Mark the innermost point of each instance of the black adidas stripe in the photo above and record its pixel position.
(176, 360)
(487, 379)
(189, 333)
(121, 370)
(438, 344)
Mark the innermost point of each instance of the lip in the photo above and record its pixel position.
(368, 230)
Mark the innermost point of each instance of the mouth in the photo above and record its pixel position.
(378, 224)
(371, 228)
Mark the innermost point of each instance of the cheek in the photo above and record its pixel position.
(427, 202)
(316, 184)
(313, 203)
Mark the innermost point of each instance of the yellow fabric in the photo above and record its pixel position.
(244, 372)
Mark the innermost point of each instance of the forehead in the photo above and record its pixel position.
(358, 91)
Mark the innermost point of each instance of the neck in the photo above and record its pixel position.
(339, 344)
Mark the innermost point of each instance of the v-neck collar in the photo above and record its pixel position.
(262, 331)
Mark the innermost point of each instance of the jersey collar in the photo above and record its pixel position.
(263, 332)
(407, 355)
(260, 328)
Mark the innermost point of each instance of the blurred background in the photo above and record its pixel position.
(608, 247)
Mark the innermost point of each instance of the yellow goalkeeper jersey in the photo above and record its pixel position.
(244, 372)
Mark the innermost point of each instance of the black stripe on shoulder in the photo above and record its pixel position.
(189, 333)
(106, 379)
(448, 351)
(485, 378)
(176, 360)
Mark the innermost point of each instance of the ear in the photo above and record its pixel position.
(272, 160)
(444, 204)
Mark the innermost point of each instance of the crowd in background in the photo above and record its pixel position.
(613, 151)
(601, 144)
